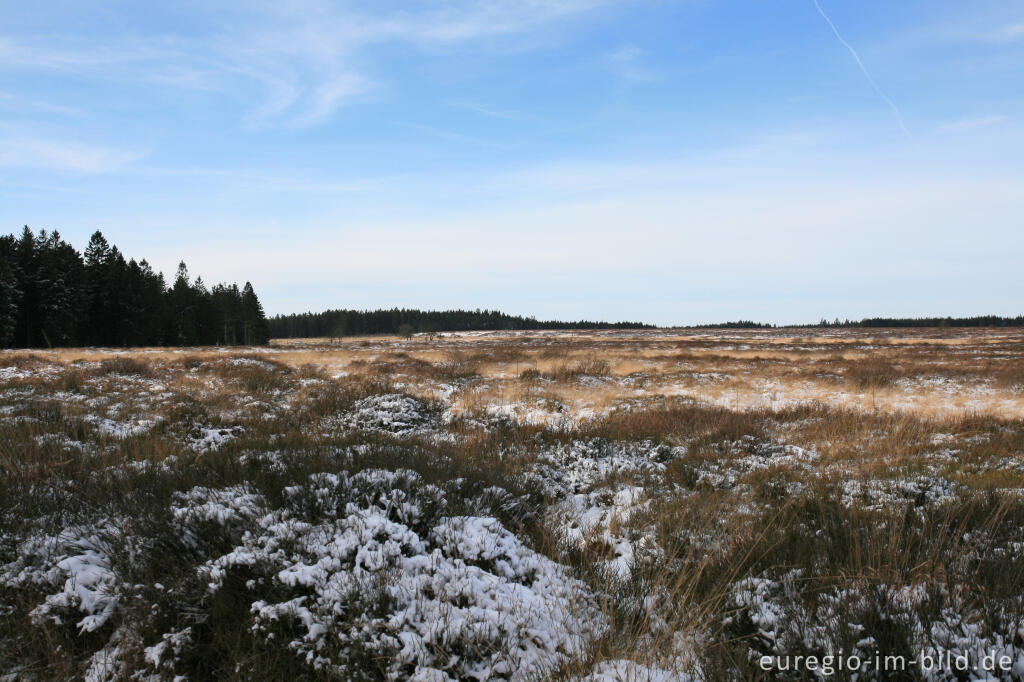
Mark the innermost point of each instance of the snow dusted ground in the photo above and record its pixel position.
(233, 516)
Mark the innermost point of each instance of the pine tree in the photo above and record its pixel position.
(118, 298)
(153, 304)
(10, 294)
(227, 302)
(205, 314)
(28, 275)
(183, 309)
(52, 295)
(97, 308)
(253, 317)
(59, 289)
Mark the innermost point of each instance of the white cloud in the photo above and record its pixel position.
(747, 247)
(19, 103)
(968, 29)
(486, 111)
(969, 123)
(1010, 32)
(34, 152)
(704, 220)
(626, 62)
(469, 20)
(329, 95)
(301, 55)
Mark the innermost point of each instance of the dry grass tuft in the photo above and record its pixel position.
(124, 365)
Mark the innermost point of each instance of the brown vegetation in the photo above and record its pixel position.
(828, 465)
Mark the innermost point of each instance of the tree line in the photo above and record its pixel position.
(738, 324)
(52, 295)
(977, 321)
(340, 323)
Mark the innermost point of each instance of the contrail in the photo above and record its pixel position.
(892, 105)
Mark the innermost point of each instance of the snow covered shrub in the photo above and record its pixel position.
(77, 563)
(890, 631)
(363, 576)
(600, 488)
(393, 413)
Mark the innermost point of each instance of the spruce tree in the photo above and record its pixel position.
(52, 295)
(97, 308)
(59, 290)
(254, 319)
(10, 294)
(183, 309)
(28, 276)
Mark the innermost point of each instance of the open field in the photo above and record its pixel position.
(655, 505)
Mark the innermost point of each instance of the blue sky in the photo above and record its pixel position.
(673, 162)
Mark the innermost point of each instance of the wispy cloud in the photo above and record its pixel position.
(447, 134)
(329, 95)
(474, 19)
(64, 155)
(966, 30)
(969, 123)
(19, 103)
(1008, 33)
(626, 63)
(988, 32)
(301, 56)
(486, 111)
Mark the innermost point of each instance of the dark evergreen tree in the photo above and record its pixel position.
(207, 324)
(10, 294)
(58, 289)
(97, 311)
(51, 295)
(119, 303)
(227, 303)
(336, 323)
(183, 309)
(28, 284)
(254, 320)
(149, 287)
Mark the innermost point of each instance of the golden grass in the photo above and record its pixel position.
(928, 372)
(873, 407)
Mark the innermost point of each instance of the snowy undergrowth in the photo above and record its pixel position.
(372, 572)
(356, 575)
(779, 619)
(268, 523)
(77, 563)
(621, 670)
(393, 414)
(917, 491)
(749, 454)
(598, 486)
